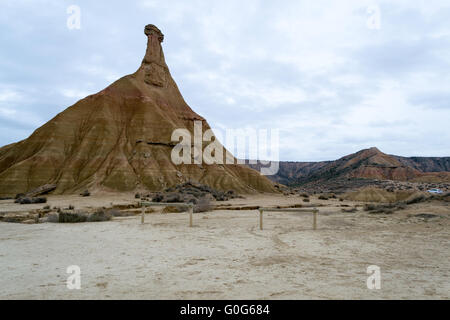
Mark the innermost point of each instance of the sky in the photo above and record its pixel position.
(333, 77)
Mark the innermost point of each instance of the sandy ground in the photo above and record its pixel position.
(226, 256)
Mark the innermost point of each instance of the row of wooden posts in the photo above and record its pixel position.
(190, 206)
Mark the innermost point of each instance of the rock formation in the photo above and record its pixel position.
(119, 139)
(365, 164)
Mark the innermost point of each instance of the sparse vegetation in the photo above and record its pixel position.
(54, 218)
(304, 195)
(426, 216)
(27, 200)
(174, 209)
(72, 217)
(384, 208)
(203, 205)
(416, 199)
(99, 215)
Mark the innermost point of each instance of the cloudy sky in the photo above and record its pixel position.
(333, 76)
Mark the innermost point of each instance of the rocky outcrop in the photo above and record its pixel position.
(119, 140)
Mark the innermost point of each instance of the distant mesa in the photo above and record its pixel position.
(94, 144)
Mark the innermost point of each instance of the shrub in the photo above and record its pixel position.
(137, 196)
(53, 218)
(157, 197)
(203, 205)
(24, 201)
(39, 200)
(174, 209)
(85, 193)
(27, 200)
(426, 215)
(306, 200)
(115, 213)
(382, 210)
(99, 215)
(71, 207)
(69, 217)
(174, 197)
(322, 197)
(231, 193)
(304, 195)
(47, 207)
(416, 199)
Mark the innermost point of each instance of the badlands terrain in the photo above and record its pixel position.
(225, 255)
(70, 195)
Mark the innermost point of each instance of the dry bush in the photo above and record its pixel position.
(304, 195)
(384, 208)
(72, 217)
(53, 218)
(157, 197)
(39, 200)
(99, 215)
(306, 200)
(174, 209)
(322, 197)
(203, 205)
(28, 200)
(118, 213)
(85, 193)
(417, 198)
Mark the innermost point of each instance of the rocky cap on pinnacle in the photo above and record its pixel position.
(151, 29)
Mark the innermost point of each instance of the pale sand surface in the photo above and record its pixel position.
(226, 256)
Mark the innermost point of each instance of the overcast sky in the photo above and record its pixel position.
(334, 76)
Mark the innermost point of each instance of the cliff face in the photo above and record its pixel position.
(119, 140)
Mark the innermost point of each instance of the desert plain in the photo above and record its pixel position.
(225, 255)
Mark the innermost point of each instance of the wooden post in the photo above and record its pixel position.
(260, 219)
(191, 211)
(315, 219)
(142, 214)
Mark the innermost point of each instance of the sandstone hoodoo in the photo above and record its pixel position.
(119, 139)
